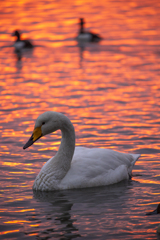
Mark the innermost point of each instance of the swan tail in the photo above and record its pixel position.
(135, 158)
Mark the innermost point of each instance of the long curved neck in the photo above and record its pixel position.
(66, 149)
(55, 169)
(62, 160)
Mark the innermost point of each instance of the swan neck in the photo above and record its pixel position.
(68, 142)
(57, 167)
(67, 146)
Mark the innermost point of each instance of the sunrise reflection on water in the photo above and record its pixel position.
(110, 92)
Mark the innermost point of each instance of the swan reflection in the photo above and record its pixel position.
(59, 213)
(62, 213)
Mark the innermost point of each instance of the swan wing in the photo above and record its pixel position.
(98, 167)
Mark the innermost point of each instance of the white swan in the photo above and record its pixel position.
(78, 167)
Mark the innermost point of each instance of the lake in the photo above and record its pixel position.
(109, 90)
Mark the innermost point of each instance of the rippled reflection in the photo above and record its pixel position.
(109, 90)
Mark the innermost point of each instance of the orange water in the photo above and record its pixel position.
(110, 91)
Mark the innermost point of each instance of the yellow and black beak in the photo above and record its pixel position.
(37, 133)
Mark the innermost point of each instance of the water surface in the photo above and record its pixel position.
(110, 91)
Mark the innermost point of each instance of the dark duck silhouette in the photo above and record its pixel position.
(87, 36)
(21, 44)
(156, 211)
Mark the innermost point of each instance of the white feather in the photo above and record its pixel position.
(84, 167)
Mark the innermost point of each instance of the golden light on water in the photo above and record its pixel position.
(6, 232)
(110, 92)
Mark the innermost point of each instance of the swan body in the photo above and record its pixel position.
(21, 44)
(87, 36)
(78, 167)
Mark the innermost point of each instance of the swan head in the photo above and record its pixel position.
(46, 123)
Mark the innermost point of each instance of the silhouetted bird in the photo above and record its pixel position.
(21, 44)
(87, 36)
(156, 211)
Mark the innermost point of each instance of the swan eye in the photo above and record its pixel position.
(43, 123)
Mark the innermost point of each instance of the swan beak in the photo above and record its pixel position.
(37, 133)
